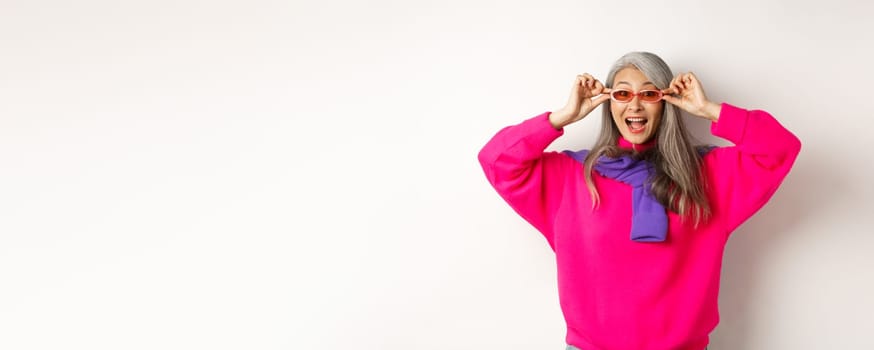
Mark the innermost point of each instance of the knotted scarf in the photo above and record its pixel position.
(649, 219)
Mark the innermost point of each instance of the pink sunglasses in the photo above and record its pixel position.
(625, 96)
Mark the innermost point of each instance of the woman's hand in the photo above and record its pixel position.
(691, 97)
(586, 94)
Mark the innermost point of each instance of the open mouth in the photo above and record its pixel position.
(635, 124)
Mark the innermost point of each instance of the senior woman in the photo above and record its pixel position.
(639, 222)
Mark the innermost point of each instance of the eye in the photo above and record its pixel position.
(649, 94)
(621, 93)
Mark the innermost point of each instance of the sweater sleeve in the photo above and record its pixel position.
(527, 178)
(746, 175)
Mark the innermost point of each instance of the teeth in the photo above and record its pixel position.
(635, 119)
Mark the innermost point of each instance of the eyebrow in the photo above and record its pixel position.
(627, 83)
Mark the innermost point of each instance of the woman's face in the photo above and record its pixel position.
(647, 116)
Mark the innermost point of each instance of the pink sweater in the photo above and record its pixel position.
(618, 294)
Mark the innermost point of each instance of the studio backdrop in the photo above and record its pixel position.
(303, 175)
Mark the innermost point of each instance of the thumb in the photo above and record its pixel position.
(600, 99)
(671, 99)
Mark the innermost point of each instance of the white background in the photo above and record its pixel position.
(288, 175)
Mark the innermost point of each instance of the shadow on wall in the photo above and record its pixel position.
(791, 207)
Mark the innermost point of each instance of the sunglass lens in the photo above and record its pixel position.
(622, 95)
(650, 95)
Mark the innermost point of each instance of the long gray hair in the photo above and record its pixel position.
(678, 179)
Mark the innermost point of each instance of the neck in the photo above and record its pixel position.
(625, 144)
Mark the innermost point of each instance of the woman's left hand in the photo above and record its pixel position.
(690, 97)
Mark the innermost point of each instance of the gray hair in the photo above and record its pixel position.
(678, 179)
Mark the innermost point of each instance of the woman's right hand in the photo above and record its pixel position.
(581, 101)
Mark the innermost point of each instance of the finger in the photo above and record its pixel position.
(580, 83)
(588, 78)
(687, 83)
(669, 91)
(599, 86)
(687, 79)
(694, 79)
(677, 87)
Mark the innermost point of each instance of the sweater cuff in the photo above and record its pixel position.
(731, 124)
(543, 133)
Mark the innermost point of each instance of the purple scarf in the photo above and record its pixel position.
(649, 221)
